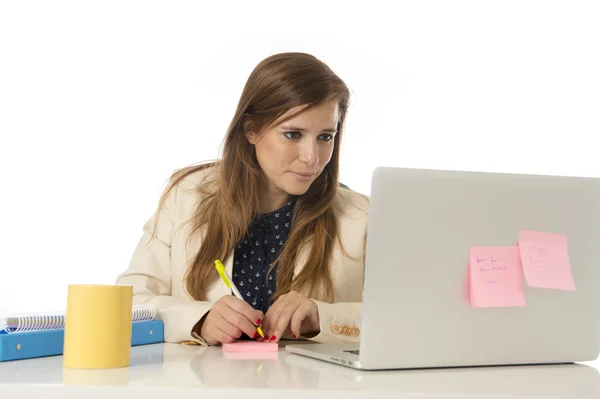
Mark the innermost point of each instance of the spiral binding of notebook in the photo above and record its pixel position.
(28, 322)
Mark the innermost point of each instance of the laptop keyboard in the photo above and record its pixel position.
(353, 351)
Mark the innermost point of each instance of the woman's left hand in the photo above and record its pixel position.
(292, 312)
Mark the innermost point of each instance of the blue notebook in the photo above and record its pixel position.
(28, 345)
(30, 335)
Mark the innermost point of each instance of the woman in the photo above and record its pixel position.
(271, 208)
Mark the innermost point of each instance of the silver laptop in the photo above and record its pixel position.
(416, 308)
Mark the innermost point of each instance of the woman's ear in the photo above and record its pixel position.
(251, 135)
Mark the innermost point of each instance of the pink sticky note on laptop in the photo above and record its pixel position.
(495, 277)
(251, 346)
(545, 260)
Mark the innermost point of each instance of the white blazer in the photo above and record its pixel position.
(157, 268)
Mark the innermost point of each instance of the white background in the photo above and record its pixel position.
(101, 100)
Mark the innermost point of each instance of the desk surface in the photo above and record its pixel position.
(178, 371)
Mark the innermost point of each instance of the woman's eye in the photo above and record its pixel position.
(326, 137)
(292, 135)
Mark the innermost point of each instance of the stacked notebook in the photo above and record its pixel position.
(34, 335)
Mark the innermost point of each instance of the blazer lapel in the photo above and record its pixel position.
(301, 260)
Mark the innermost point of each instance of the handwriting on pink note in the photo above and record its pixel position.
(545, 259)
(495, 277)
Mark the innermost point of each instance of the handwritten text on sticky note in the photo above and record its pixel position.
(545, 260)
(495, 277)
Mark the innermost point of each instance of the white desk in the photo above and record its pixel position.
(177, 371)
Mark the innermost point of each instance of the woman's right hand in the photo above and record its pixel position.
(228, 318)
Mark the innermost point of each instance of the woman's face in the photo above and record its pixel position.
(294, 153)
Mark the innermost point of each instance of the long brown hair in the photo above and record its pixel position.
(277, 84)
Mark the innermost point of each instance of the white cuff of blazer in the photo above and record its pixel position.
(200, 340)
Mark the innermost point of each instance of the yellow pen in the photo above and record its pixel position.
(227, 280)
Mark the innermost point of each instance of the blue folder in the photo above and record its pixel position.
(28, 345)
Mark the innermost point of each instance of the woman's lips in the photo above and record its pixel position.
(303, 176)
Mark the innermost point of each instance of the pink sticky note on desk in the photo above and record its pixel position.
(495, 277)
(251, 346)
(545, 259)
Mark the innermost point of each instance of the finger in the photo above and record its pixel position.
(284, 319)
(226, 326)
(239, 321)
(254, 316)
(301, 313)
(272, 317)
(265, 324)
(219, 336)
(214, 330)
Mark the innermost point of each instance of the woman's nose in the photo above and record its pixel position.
(308, 152)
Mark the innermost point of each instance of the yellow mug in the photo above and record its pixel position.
(98, 326)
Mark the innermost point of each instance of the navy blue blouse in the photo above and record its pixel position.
(256, 252)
